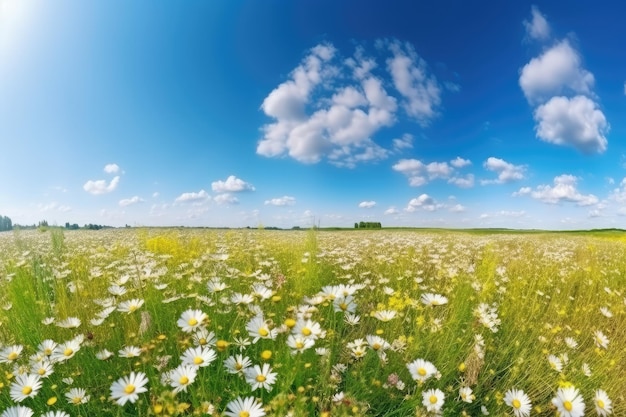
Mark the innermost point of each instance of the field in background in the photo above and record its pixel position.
(307, 323)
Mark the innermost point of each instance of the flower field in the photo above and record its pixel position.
(248, 323)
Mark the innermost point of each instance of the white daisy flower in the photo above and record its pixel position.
(519, 402)
(127, 388)
(248, 406)
(569, 403)
(25, 386)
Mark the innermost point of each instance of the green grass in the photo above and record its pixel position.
(542, 287)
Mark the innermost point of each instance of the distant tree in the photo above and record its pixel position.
(5, 223)
(368, 225)
(356, 225)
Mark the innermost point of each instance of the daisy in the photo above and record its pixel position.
(241, 299)
(11, 353)
(555, 363)
(600, 339)
(103, 355)
(352, 319)
(519, 401)
(604, 405)
(569, 403)
(42, 368)
(571, 342)
(130, 305)
(237, 364)
(431, 299)
(606, 312)
(47, 347)
(17, 411)
(307, 329)
(299, 343)
(127, 388)
(55, 414)
(421, 370)
(198, 356)
(385, 315)
(466, 394)
(433, 400)
(344, 304)
(377, 343)
(262, 291)
(25, 386)
(260, 377)
(65, 351)
(191, 320)
(182, 376)
(77, 396)
(204, 337)
(240, 407)
(117, 290)
(129, 352)
(258, 328)
(216, 285)
(69, 323)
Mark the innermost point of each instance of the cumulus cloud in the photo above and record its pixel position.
(506, 171)
(193, 197)
(231, 185)
(537, 28)
(225, 199)
(101, 186)
(130, 201)
(556, 71)
(54, 206)
(619, 193)
(423, 202)
(563, 190)
(420, 91)
(111, 168)
(457, 208)
(576, 122)
(391, 210)
(367, 204)
(281, 201)
(404, 142)
(332, 107)
(420, 173)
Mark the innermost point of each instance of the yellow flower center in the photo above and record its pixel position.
(433, 399)
(132, 308)
(76, 400)
(238, 366)
(263, 332)
(130, 388)
(299, 345)
(343, 306)
(198, 360)
(68, 352)
(41, 371)
(183, 380)
(421, 372)
(27, 390)
(12, 356)
(202, 341)
(376, 346)
(192, 321)
(600, 404)
(306, 331)
(47, 351)
(260, 378)
(244, 414)
(567, 405)
(516, 403)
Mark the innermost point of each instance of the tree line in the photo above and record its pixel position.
(5, 223)
(368, 225)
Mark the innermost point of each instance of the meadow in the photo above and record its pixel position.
(246, 323)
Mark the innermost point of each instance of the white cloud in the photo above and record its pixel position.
(281, 201)
(226, 198)
(111, 168)
(333, 108)
(391, 210)
(576, 122)
(463, 182)
(556, 71)
(405, 142)
(538, 27)
(100, 186)
(155, 194)
(619, 194)
(130, 201)
(193, 197)
(424, 202)
(231, 185)
(54, 206)
(563, 190)
(367, 204)
(421, 93)
(506, 171)
(457, 208)
(459, 162)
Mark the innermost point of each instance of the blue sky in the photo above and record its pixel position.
(240, 113)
